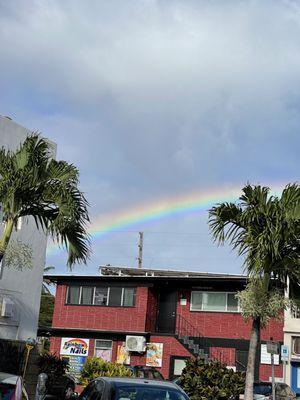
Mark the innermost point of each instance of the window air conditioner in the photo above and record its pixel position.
(135, 343)
(7, 308)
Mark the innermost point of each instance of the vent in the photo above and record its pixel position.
(136, 343)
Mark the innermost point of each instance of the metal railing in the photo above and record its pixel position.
(295, 312)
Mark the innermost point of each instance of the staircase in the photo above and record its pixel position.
(190, 337)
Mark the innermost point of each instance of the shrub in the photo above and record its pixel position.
(211, 381)
(95, 367)
(53, 366)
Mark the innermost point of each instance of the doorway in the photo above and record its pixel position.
(166, 312)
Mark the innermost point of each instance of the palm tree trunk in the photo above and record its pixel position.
(254, 341)
(5, 237)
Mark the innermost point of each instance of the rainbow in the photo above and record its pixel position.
(168, 207)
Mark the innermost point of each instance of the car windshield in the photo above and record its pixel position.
(6, 391)
(262, 389)
(149, 393)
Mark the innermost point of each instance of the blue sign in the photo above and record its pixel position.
(284, 352)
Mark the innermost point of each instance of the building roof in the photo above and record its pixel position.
(109, 273)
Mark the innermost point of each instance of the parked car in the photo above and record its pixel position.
(263, 391)
(61, 388)
(140, 371)
(131, 389)
(12, 387)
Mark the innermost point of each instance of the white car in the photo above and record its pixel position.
(11, 387)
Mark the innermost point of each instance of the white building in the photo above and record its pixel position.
(292, 340)
(20, 290)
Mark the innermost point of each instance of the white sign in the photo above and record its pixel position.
(74, 347)
(284, 352)
(265, 357)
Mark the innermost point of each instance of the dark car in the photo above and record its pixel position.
(140, 371)
(131, 389)
(263, 391)
(61, 388)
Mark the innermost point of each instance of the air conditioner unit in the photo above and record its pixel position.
(7, 308)
(135, 343)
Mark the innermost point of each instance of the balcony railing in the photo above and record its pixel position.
(295, 312)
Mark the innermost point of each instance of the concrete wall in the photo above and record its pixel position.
(23, 287)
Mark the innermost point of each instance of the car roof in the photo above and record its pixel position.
(140, 382)
(8, 378)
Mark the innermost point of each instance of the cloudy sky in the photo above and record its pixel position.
(153, 100)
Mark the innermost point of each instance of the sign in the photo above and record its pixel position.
(284, 352)
(273, 347)
(154, 354)
(265, 357)
(123, 355)
(74, 347)
(75, 364)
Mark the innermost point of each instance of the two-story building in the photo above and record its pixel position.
(178, 314)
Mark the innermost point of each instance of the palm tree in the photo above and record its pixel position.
(265, 230)
(33, 184)
(46, 282)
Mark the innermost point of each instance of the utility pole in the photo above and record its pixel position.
(140, 246)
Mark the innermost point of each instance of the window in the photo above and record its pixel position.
(73, 295)
(87, 294)
(296, 345)
(128, 297)
(103, 349)
(113, 296)
(101, 297)
(214, 301)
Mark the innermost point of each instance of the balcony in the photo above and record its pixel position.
(295, 312)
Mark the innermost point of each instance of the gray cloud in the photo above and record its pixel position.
(153, 98)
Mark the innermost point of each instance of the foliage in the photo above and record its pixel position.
(46, 310)
(53, 366)
(46, 282)
(18, 255)
(263, 228)
(34, 184)
(256, 301)
(211, 381)
(95, 367)
(11, 357)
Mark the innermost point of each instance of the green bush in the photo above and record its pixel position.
(211, 381)
(95, 367)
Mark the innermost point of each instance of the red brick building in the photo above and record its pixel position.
(188, 313)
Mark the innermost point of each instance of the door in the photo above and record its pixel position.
(166, 313)
(296, 377)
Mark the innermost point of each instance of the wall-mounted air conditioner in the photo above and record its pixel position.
(7, 308)
(135, 343)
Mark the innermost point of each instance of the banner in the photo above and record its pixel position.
(154, 354)
(74, 347)
(123, 355)
(76, 364)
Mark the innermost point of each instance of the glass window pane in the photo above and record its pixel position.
(296, 345)
(128, 297)
(115, 296)
(214, 301)
(73, 295)
(103, 344)
(232, 302)
(196, 301)
(87, 295)
(101, 296)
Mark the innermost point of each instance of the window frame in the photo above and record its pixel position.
(213, 311)
(94, 287)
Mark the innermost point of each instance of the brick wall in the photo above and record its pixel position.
(100, 317)
(151, 310)
(226, 324)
